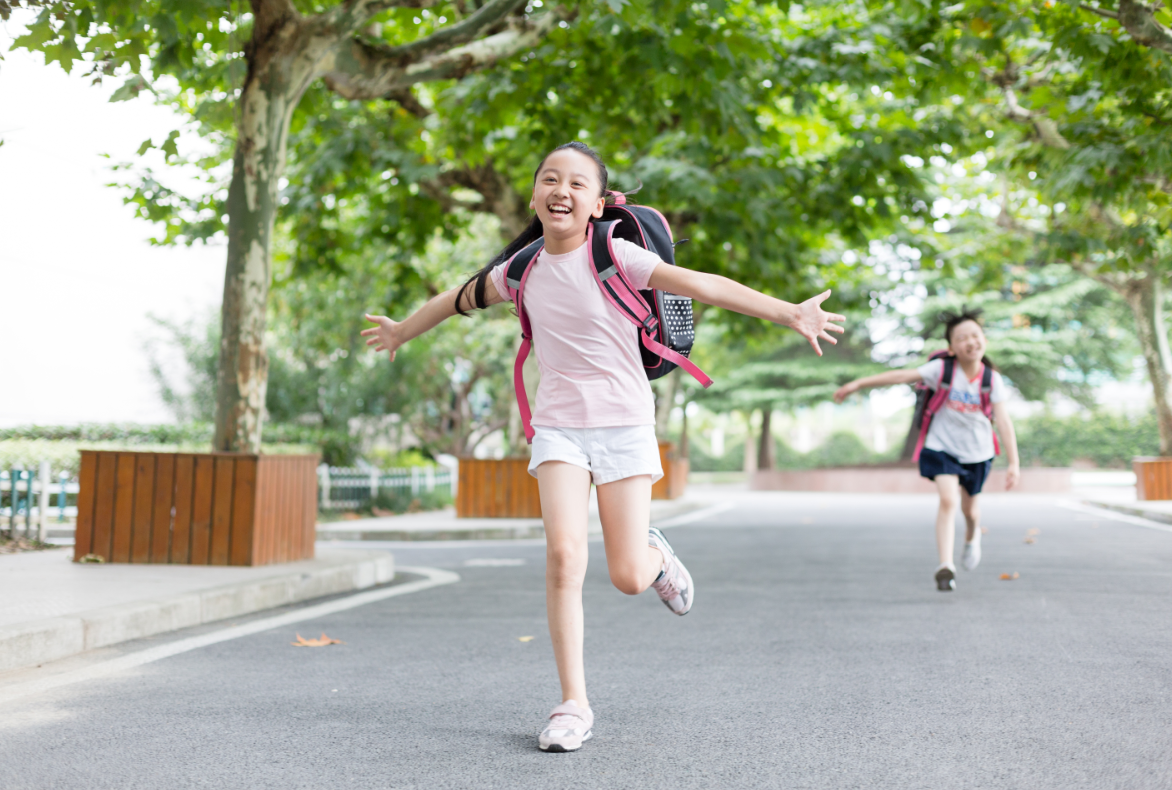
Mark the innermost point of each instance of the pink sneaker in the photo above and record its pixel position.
(675, 585)
(569, 725)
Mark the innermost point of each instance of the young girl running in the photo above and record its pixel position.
(958, 451)
(594, 418)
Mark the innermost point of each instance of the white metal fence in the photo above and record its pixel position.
(30, 499)
(349, 488)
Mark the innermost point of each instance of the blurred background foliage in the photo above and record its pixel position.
(915, 157)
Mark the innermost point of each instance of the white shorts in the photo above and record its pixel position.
(609, 454)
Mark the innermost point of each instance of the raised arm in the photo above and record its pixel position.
(388, 335)
(1004, 425)
(808, 319)
(886, 379)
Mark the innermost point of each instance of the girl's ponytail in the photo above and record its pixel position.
(477, 282)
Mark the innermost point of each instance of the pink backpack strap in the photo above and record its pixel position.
(630, 303)
(935, 403)
(516, 275)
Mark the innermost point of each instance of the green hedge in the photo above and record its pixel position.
(1107, 440)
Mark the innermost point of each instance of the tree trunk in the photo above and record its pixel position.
(1146, 300)
(271, 91)
(765, 450)
(750, 463)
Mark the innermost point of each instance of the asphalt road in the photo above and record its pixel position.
(819, 655)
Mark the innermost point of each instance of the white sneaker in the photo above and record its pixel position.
(972, 553)
(569, 726)
(674, 587)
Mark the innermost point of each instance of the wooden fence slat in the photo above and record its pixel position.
(308, 477)
(244, 498)
(104, 504)
(201, 516)
(123, 508)
(222, 510)
(161, 511)
(181, 528)
(144, 496)
(87, 477)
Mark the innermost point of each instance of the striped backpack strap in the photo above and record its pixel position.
(935, 403)
(516, 275)
(630, 303)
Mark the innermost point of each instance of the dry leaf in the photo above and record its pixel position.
(524, 639)
(322, 642)
(1029, 540)
(1008, 577)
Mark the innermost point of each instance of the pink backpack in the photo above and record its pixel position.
(929, 401)
(662, 320)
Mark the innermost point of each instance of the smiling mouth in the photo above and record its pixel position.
(559, 210)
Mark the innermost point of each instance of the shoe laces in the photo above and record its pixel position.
(666, 586)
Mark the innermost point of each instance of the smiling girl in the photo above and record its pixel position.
(594, 418)
(960, 445)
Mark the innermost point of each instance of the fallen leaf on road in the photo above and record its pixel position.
(1008, 577)
(984, 530)
(524, 639)
(322, 642)
(1029, 540)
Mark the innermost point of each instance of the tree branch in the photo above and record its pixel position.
(359, 70)
(1100, 11)
(1140, 21)
(487, 16)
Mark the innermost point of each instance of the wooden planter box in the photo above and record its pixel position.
(1153, 478)
(497, 488)
(675, 474)
(196, 509)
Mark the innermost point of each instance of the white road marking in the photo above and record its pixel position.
(695, 515)
(435, 578)
(1114, 515)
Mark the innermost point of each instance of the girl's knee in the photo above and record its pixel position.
(565, 564)
(628, 581)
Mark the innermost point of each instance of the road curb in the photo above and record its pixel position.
(32, 643)
(1131, 510)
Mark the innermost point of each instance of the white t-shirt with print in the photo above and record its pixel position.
(960, 428)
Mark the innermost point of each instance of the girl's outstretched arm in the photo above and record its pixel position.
(886, 379)
(808, 319)
(1004, 425)
(388, 335)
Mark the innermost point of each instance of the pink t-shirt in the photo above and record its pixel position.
(588, 354)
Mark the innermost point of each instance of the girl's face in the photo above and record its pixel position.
(967, 341)
(567, 194)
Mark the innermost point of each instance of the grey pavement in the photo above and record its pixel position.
(819, 655)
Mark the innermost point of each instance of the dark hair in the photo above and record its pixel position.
(952, 320)
(533, 232)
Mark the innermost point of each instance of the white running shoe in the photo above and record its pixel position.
(569, 726)
(972, 553)
(675, 585)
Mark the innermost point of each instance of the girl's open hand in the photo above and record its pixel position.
(842, 392)
(385, 336)
(814, 323)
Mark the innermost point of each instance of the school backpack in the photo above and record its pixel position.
(662, 320)
(929, 401)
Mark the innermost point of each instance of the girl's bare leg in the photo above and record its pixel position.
(971, 509)
(624, 507)
(948, 486)
(565, 499)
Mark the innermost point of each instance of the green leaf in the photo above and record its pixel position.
(146, 146)
(616, 6)
(133, 86)
(169, 148)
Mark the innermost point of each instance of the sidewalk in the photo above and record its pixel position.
(54, 608)
(443, 524)
(1106, 490)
